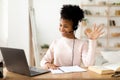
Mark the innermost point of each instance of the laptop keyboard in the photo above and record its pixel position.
(34, 69)
(34, 72)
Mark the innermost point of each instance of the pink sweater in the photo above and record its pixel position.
(61, 52)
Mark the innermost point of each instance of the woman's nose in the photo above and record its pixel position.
(61, 29)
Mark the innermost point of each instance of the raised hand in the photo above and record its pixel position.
(95, 32)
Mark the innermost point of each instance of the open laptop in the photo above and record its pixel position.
(15, 61)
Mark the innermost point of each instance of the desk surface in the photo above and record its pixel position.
(88, 75)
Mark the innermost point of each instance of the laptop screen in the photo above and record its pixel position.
(15, 60)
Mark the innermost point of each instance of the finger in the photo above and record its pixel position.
(97, 28)
(54, 67)
(94, 35)
(100, 28)
(100, 31)
(94, 27)
(99, 34)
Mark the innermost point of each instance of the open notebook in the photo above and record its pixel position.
(68, 69)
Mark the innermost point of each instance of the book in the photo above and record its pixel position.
(107, 69)
(67, 69)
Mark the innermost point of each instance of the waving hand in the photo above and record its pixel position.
(95, 32)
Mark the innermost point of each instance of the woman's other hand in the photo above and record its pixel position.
(95, 32)
(51, 66)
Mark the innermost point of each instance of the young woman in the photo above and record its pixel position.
(68, 50)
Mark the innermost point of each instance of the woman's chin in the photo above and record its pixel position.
(64, 35)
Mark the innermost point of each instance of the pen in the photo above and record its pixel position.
(60, 69)
(117, 74)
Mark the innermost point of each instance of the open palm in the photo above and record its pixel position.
(95, 32)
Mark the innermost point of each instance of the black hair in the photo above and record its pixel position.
(73, 13)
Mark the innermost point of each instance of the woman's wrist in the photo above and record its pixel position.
(47, 64)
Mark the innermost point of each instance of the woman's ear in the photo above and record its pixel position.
(75, 27)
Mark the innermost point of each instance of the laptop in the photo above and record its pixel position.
(15, 61)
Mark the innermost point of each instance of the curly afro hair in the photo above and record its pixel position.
(73, 13)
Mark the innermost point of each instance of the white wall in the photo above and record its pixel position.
(18, 25)
(3, 22)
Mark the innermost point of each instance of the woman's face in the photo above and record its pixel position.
(66, 28)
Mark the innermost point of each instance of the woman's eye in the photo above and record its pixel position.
(64, 26)
(60, 25)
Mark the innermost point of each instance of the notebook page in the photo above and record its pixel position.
(113, 66)
(72, 69)
(57, 71)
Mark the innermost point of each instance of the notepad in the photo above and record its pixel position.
(68, 69)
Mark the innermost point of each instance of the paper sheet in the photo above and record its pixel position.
(67, 69)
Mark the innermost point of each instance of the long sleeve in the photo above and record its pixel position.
(88, 53)
(48, 56)
(62, 52)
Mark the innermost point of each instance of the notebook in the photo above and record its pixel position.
(15, 61)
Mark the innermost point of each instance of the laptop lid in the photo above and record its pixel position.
(15, 60)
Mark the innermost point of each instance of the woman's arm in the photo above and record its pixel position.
(47, 60)
(88, 53)
(88, 49)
